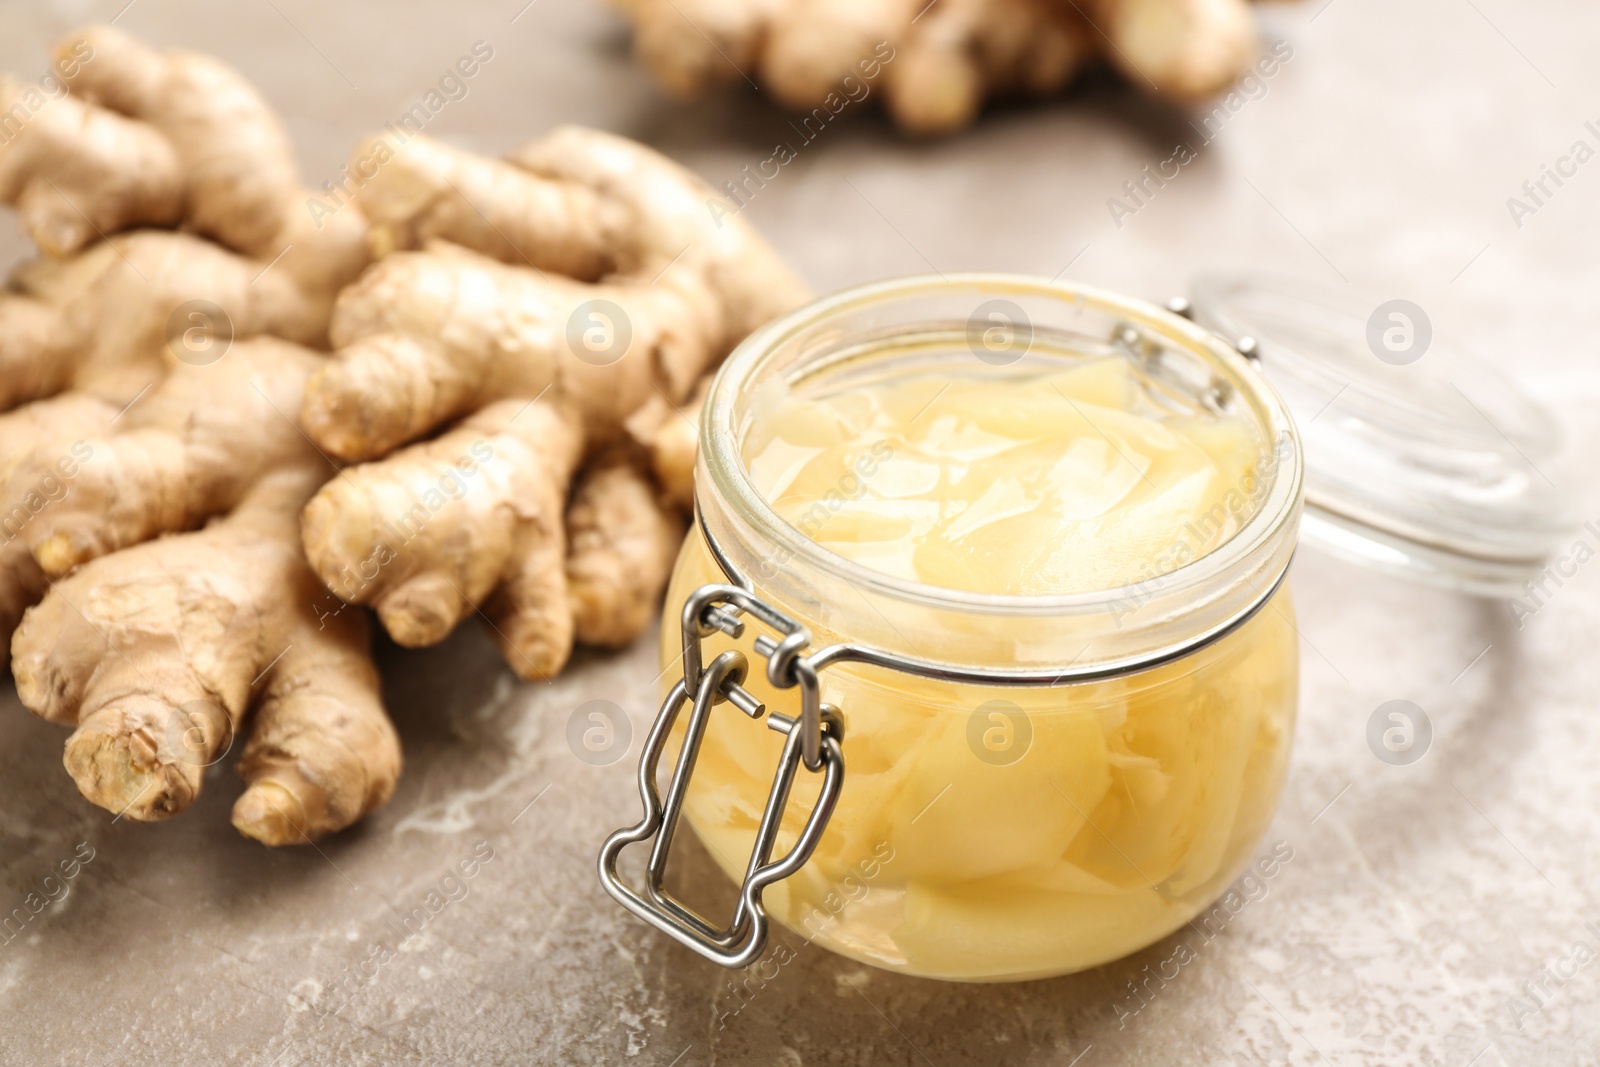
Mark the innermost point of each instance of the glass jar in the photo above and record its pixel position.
(1092, 769)
(964, 785)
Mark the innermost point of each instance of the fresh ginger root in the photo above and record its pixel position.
(156, 653)
(190, 449)
(156, 649)
(621, 550)
(136, 138)
(144, 138)
(936, 63)
(145, 392)
(110, 320)
(672, 442)
(95, 325)
(67, 419)
(552, 314)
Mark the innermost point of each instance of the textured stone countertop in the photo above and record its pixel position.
(1420, 898)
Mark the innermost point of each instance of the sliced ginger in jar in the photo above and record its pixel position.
(1134, 799)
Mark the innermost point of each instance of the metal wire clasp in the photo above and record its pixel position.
(811, 740)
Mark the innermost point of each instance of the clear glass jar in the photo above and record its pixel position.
(1008, 828)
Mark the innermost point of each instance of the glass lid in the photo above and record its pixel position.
(1421, 459)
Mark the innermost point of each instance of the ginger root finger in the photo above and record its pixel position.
(76, 171)
(961, 52)
(144, 138)
(812, 47)
(939, 62)
(590, 205)
(151, 654)
(29, 363)
(429, 533)
(111, 320)
(622, 542)
(56, 335)
(156, 653)
(664, 289)
(69, 420)
(672, 457)
(1182, 49)
(322, 753)
(241, 185)
(695, 45)
(936, 86)
(425, 337)
(22, 583)
(425, 190)
(669, 435)
(530, 614)
(666, 234)
(237, 172)
(625, 527)
(185, 451)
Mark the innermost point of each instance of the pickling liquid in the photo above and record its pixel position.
(989, 833)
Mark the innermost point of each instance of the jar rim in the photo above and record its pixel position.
(721, 459)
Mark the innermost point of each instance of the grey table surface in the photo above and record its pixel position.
(1424, 903)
